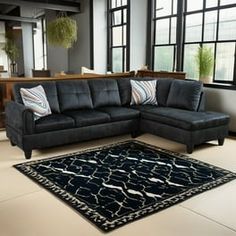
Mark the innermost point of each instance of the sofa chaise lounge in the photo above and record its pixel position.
(95, 108)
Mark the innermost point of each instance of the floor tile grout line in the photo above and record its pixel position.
(215, 221)
(19, 196)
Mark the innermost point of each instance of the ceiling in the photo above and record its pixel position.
(12, 7)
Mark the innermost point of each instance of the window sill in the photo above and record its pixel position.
(221, 86)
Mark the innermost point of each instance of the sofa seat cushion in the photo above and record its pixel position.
(54, 122)
(143, 107)
(184, 119)
(88, 117)
(120, 113)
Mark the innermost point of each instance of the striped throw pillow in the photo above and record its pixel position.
(143, 92)
(35, 99)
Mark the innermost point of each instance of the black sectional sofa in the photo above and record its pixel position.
(96, 108)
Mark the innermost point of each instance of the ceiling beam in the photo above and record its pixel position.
(8, 9)
(17, 18)
(70, 7)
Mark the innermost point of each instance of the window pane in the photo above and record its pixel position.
(225, 61)
(163, 8)
(227, 2)
(190, 67)
(174, 6)
(117, 59)
(210, 26)
(124, 2)
(193, 28)
(162, 31)
(113, 3)
(193, 5)
(124, 35)
(124, 16)
(117, 36)
(227, 25)
(164, 57)
(116, 18)
(211, 3)
(118, 3)
(173, 30)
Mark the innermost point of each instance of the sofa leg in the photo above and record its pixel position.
(12, 144)
(190, 148)
(28, 154)
(135, 134)
(221, 141)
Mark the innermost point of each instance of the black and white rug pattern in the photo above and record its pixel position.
(120, 183)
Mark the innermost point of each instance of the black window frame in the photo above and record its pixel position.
(125, 45)
(154, 44)
(180, 35)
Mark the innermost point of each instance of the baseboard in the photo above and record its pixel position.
(232, 133)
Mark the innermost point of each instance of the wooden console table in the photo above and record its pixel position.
(7, 83)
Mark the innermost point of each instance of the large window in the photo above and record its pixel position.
(118, 35)
(164, 50)
(205, 23)
(40, 45)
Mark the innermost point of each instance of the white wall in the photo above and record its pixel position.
(27, 39)
(138, 32)
(79, 54)
(138, 28)
(100, 35)
(57, 57)
(222, 100)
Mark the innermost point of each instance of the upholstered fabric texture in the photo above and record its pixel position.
(105, 92)
(74, 95)
(35, 99)
(185, 94)
(184, 119)
(143, 92)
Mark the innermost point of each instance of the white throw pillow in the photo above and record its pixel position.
(143, 92)
(35, 99)
(85, 70)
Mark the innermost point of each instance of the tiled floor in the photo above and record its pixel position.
(28, 210)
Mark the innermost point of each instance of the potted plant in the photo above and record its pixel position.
(205, 62)
(12, 52)
(62, 31)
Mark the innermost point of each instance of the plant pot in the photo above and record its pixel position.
(206, 79)
(13, 69)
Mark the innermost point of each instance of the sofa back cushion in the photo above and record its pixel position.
(104, 92)
(185, 94)
(50, 91)
(162, 89)
(74, 94)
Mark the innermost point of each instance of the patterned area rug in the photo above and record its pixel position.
(120, 183)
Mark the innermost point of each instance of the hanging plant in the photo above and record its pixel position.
(62, 31)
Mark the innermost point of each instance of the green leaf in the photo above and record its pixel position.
(205, 61)
(62, 32)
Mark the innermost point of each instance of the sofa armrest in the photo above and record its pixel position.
(19, 117)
